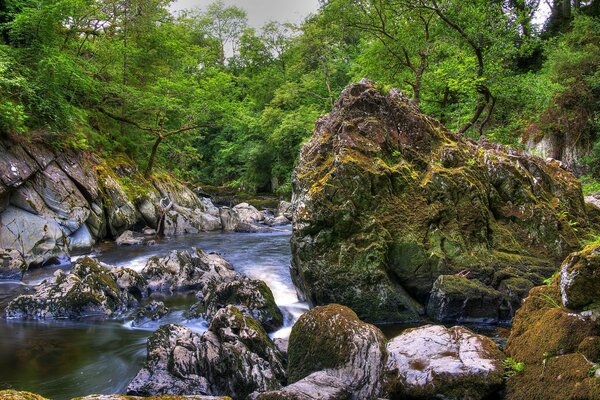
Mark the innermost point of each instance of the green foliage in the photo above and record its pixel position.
(512, 367)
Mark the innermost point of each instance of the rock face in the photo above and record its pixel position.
(181, 271)
(559, 346)
(332, 339)
(235, 356)
(318, 385)
(12, 264)
(386, 200)
(438, 362)
(90, 289)
(252, 297)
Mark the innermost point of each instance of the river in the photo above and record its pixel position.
(64, 359)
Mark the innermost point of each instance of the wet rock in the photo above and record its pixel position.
(229, 219)
(252, 297)
(81, 241)
(244, 227)
(121, 397)
(129, 238)
(149, 209)
(90, 289)
(153, 311)
(386, 200)
(248, 214)
(184, 271)
(456, 298)
(17, 395)
(277, 221)
(451, 363)
(121, 214)
(39, 239)
(79, 171)
(285, 210)
(235, 356)
(282, 345)
(178, 193)
(149, 232)
(209, 208)
(333, 340)
(580, 278)
(96, 221)
(12, 265)
(181, 221)
(16, 166)
(318, 385)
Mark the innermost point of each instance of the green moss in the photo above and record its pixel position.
(16, 395)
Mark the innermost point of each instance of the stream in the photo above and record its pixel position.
(64, 359)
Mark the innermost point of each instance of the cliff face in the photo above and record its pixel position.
(53, 203)
(388, 202)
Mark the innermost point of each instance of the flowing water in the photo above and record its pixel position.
(64, 359)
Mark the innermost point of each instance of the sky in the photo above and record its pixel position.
(262, 11)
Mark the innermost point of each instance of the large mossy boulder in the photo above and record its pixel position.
(386, 200)
(332, 339)
(556, 334)
(447, 363)
(234, 357)
(89, 290)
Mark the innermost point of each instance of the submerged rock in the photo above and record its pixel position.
(438, 362)
(332, 339)
(252, 297)
(90, 289)
(182, 271)
(386, 200)
(235, 357)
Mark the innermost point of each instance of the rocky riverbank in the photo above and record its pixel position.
(53, 204)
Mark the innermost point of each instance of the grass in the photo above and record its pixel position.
(512, 367)
(589, 185)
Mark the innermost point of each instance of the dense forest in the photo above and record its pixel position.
(215, 101)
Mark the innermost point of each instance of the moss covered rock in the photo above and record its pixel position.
(252, 297)
(90, 289)
(17, 395)
(438, 362)
(386, 200)
(558, 346)
(580, 278)
(234, 357)
(334, 340)
(12, 264)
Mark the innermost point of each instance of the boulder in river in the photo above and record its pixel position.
(129, 238)
(252, 297)
(89, 290)
(12, 264)
(235, 357)
(438, 362)
(248, 214)
(559, 347)
(386, 200)
(152, 311)
(332, 339)
(318, 385)
(183, 271)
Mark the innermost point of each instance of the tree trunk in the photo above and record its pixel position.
(148, 172)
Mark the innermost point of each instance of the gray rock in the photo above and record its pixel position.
(333, 340)
(438, 362)
(37, 238)
(40, 153)
(456, 298)
(149, 232)
(318, 385)
(177, 193)
(121, 397)
(12, 265)
(285, 210)
(278, 221)
(129, 238)
(235, 357)
(153, 311)
(182, 271)
(26, 198)
(121, 214)
(82, 240)
(252, 297)
(181, 221)
(16, 166)
(90, 289)
(229, 219)
(244, 227)
(248, 214)
(81, 172)
(209, 207)
(149, 210)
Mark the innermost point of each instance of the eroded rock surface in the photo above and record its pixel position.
(438, 362)
(386, 200)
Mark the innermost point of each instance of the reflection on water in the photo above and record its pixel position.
(61, 360)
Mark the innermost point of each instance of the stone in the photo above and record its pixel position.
(248, 214)
(152, 311)
(129, 238)
(318, 385)
(81, 241)
(456, 298)
(438, 362)
(229, 219)
(79, 171)
(235, 356)
(252, 297)
(278, 221)
(96, 221)
(244, 227)
(150, 211)
(90, 289)
(182, 271)
(332, 339)
(178, 193)
(17, 395)
(12, 265)
(121, 214)
(16, 166)
(40, 240)
(209, 207)
(580, 278)
(285, 209)
(121, 397)
(385, 200)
